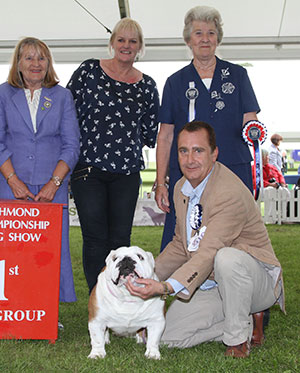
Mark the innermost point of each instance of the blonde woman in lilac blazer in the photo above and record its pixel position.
(39, 139)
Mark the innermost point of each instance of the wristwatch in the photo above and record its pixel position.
(56, 180)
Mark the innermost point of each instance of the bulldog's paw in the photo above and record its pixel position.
(152, 353)
(97, 354)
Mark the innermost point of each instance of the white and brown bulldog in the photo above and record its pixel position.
(112, 306)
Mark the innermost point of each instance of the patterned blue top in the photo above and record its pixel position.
(116, 119)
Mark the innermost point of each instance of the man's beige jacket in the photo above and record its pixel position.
(232, 219)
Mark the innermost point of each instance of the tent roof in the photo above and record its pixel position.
(254, 29)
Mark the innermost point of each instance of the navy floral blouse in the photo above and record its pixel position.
(116, 119)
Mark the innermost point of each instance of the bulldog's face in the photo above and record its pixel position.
(127, 262)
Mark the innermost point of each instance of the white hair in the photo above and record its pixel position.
(202, 14)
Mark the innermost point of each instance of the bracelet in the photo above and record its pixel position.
(9, 176)
(57, 180)
(166, 290)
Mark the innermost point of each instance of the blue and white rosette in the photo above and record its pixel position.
(196, 217)
(195, 222)
(254, 134)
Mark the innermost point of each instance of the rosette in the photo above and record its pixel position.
(254, 134)
(254, 131)
(196, 217)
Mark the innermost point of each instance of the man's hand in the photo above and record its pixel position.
(150, 289)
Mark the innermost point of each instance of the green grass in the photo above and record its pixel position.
(280, 353)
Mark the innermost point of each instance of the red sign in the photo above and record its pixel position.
(30, 241)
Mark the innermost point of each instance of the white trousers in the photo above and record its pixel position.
(224, 312)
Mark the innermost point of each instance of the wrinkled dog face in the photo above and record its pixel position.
(128, 261)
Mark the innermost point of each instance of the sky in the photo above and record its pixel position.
(275, 83)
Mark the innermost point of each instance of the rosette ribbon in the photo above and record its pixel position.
(254, 134)
(196, 217)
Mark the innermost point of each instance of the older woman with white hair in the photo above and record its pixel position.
(208, 89)
(117, 108)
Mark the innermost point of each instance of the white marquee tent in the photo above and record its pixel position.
(253, 29)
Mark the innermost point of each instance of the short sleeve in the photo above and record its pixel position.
(150, 119)
(249, 100)
(75, 85)
(166, 113)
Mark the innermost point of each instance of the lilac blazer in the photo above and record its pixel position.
(35, 155)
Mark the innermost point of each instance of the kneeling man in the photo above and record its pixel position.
(220, 264)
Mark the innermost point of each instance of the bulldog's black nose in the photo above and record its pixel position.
(126, 266)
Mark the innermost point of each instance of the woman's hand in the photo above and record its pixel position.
(47, 193)
(164, 142)
(162, 197)
(19, 189)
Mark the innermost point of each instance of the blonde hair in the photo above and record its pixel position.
(202, 14)
(129, 25)
(15, 76)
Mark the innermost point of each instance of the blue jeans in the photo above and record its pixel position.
(105, 203)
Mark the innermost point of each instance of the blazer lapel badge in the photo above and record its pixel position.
(47, 103)
(45, 106)
(195, 222)
(195, 240)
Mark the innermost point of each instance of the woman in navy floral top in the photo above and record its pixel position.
(117, 107)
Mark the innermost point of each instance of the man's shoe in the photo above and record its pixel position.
(242, 350)
(258, 329)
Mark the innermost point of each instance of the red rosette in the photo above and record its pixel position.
(254, 131)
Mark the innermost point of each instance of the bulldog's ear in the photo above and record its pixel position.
(110, 256)
(150, 258)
